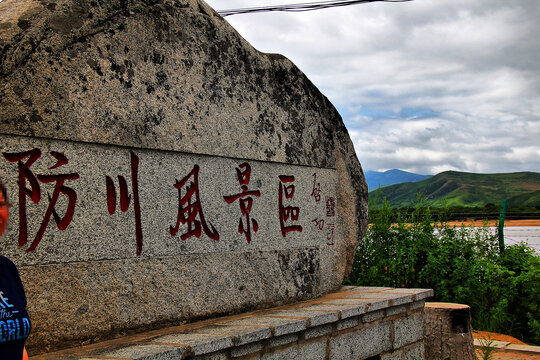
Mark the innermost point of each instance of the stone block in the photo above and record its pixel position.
(278, 326)
(315, 350)
(239, 351)
(416, 305)
(373, 303)
(282, 340)
(318, 331)
(314, 318)
(419, 294)
(198, 343)
(348, 323)
(361, 344)
(220, 355)
(394, 310)
(345, 310)
(141, 107)
(369, 289)
(241, 335)
(145, 352)
(372, 316)
(408, 330)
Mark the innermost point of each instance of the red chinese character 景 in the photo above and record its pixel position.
(190, 210)
(243, 172)
(34, 193)
(125, 198)
(287, 214)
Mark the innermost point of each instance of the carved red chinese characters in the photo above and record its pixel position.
(34, 193)
(243, 172)
(190, 210)
(287, 214)
(125, 198)
(316, 192)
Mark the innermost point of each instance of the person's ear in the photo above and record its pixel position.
(4, 213)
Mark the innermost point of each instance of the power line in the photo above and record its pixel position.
(299, 7)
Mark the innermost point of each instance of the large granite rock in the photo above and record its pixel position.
(162, 170)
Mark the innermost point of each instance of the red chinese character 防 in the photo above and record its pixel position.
(125, 198)
(243, 172)
(190, 210)
(34, 193)
(287, 213)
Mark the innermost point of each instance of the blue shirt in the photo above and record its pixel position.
(14, 319)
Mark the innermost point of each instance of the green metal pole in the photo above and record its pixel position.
(502, 215)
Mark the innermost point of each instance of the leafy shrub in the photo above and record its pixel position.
(462, 265)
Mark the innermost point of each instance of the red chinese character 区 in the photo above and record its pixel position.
(190, 210)
(287, 213)
(243, 172)
(34, 193)
(125, 198)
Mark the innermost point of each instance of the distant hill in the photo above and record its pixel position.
(455, 188)
(375, 178)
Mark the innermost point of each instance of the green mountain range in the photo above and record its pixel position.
(453, 188)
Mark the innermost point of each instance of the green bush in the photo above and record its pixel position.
(462, 265)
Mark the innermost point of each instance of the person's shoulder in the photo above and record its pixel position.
(5, 262)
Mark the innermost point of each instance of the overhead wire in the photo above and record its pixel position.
(299, 7)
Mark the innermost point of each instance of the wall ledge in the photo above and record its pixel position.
(360, 322)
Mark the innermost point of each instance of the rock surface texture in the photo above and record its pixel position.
(163, 106)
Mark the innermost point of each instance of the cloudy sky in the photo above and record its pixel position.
(423, 86)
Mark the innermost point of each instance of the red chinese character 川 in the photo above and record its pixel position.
(330, 207)
(243, 172)
(330, 235)
(125, 198)
(287, 213)
(190, 210)
(34, 193)
(316, 192)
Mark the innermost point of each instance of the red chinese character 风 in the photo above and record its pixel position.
(125, 198)
(287, 213)
(190, 210)
(34, 193)
(243, 172)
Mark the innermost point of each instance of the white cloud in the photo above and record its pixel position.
(468, 68)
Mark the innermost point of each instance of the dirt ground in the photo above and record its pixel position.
(532, 222)
(486, 335)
